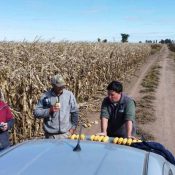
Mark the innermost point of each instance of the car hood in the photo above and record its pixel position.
(53, 157)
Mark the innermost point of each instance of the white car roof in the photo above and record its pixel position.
(53, 157)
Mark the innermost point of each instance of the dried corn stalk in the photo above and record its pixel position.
(26, 69)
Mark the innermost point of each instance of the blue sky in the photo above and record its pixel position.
(87, 20)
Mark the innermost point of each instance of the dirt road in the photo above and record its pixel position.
(163, 129)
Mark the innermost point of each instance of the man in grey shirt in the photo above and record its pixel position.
(59, 109)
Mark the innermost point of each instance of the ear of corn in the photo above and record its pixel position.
(76, 137)
(125, 141)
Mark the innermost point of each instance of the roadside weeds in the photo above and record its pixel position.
(145, 112)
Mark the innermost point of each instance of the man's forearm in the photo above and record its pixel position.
(104, 125)
(128, 126)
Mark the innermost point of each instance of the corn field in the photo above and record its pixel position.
(26, 69)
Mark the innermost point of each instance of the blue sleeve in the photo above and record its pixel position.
(40, 111)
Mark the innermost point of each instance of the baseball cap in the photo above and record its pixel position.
(58, 81)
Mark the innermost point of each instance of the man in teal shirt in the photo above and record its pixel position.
(117, 113)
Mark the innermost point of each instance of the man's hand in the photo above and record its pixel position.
(54, 109)
(102, 134)
(4, 126)
(132, 137)
(72, 131)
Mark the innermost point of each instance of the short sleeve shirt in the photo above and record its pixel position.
(129, 111)
(117, 114)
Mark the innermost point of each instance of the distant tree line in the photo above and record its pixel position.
(123, 35)
(151, 41)
(166, 41)
(162, 41)
(103, 41)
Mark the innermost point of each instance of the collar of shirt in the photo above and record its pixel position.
(53, 93)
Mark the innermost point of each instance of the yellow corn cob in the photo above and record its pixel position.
(134, 141)
(105, 139)
(124, 141)
(73, 137)
(96, 138)
(92, 137)
(115, 140)
(82, 137)
(100, 138)
(129, 141)
(120, 140)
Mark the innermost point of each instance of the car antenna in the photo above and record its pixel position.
(78, 148)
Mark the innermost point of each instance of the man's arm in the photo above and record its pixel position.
(130, 118)
(104, 116)
(104, 125)
(40, 111)
(128, 126)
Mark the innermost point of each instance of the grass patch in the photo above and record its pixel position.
(151, 81)
(171, 47)
(155, 48)
(172, 55)
(145, 112)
